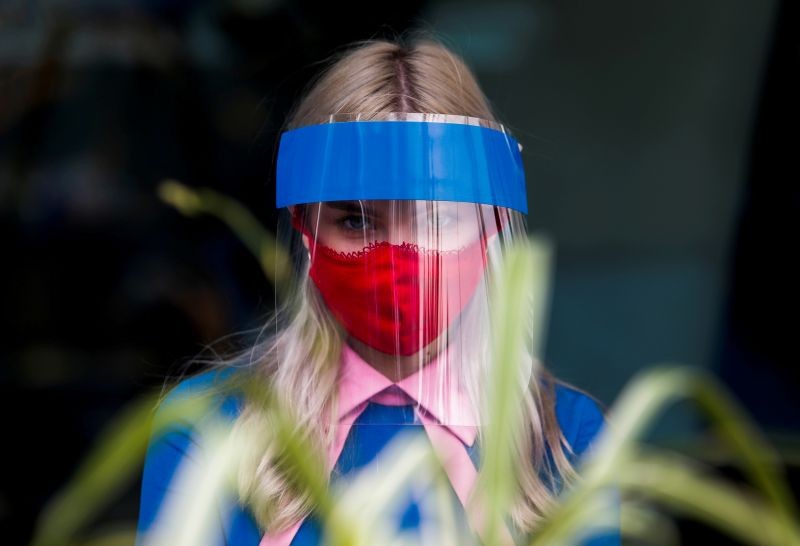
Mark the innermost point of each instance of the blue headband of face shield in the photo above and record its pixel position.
(401, 159)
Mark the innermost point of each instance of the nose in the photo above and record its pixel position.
(402, 231)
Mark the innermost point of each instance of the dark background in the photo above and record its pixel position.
(660, 145)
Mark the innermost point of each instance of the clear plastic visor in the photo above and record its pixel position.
(405, 284)
(445, 226)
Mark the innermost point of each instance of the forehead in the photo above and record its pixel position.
(404, 206)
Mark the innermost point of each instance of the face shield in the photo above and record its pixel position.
(399, 223)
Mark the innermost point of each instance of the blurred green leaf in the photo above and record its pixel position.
(764, 514)
(618, 451)
(272, 257)
(111, 465)
(698, 494)
(518, 309)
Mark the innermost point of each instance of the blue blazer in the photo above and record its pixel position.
(579, 416)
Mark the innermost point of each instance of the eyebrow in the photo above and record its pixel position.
(351, 206)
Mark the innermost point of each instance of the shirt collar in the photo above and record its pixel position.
(359, 382)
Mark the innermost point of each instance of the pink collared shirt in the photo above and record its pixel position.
(446, 415)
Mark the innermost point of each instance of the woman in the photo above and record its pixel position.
(402, 192)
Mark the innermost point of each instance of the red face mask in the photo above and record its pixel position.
(397, 298)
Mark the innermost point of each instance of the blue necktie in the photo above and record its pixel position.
(372, 431)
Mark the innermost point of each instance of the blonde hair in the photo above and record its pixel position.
(301, 359)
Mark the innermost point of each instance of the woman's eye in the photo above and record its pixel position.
(445, 220)
(355, 222)
(442, 221)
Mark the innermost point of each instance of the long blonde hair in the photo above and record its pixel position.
(300, 360)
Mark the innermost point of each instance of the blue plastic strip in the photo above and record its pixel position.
(400, 160)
